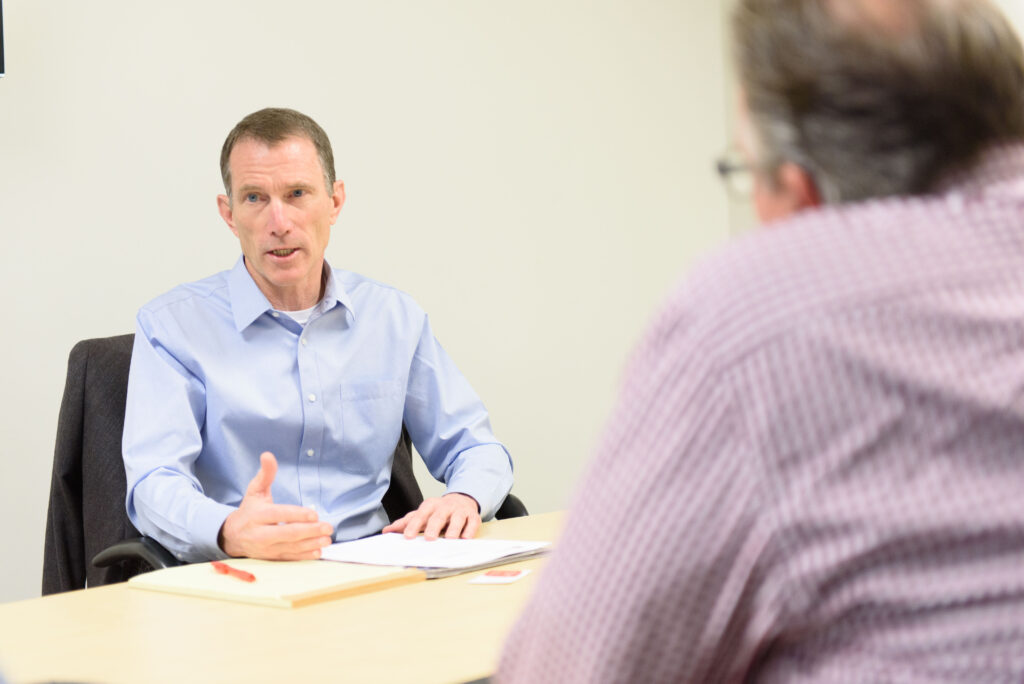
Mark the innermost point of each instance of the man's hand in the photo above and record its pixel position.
(456, 513)
(262, 529)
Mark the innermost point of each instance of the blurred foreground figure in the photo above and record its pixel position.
(815, 469)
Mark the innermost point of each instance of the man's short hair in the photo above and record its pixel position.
(271, 126)
(878, 97)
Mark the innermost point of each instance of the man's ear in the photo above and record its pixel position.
(337, 199)
(224, 207)
(789, 190)
(798, 185)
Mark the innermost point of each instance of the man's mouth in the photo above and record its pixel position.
(284, 252)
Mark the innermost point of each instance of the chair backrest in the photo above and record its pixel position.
(87, 488)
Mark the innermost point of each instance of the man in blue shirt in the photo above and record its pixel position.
(295, 378)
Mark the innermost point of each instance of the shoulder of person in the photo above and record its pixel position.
(363, 290)
(212, 290)
(767, 282)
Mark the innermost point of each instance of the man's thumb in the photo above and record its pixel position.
(260, 485)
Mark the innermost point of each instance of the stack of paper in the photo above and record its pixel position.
(438, 558)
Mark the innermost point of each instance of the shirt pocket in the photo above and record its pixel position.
(371, 423)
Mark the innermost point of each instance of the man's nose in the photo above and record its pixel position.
(277, 221)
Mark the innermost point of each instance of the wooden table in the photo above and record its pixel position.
(436, 631)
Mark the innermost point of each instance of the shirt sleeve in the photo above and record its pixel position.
(162, 438)
(651, 577)
(451, 429)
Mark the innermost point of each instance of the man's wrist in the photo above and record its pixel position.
(471, 498)
(222, 537)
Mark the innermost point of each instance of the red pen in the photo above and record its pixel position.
(225, 569)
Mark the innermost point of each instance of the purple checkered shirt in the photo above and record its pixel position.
(815, 468)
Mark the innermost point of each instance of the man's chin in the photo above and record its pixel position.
(285, 275)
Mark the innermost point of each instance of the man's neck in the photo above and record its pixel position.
(294, 301)
(298, 298)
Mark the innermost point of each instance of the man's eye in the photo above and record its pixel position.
(251, 197)
(298, 193)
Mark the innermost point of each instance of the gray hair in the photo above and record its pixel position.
(871, 110)
(271, 126)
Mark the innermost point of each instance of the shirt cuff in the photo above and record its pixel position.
(208, 518)
(485, 473)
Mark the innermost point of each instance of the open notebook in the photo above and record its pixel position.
(284, 584)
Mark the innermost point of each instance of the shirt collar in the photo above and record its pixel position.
(248, 303)
(334, 293)
(998, 170)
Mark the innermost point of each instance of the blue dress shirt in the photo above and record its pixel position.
(217, 377)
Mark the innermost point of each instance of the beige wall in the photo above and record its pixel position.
(1014, 9)
(535, 173)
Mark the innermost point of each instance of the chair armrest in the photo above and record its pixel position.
(511, 507)
(138, 548)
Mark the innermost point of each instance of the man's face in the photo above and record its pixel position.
(282, 215)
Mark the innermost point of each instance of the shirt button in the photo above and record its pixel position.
(275, 314)
(305, 342)
(310, 453)
(312, 397)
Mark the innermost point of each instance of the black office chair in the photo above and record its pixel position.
(86, 517)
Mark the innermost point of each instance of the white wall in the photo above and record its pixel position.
(535, 173)
(1014, 9)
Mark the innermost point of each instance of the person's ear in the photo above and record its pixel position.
(798, 186)
(224, 207)
(337, 199)
(790, 189)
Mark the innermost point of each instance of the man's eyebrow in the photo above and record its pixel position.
(296, 185)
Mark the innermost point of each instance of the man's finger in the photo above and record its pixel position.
(415, 521)
(472, 525)
(396, 526)
(414, 524)
(436, 524)
(302, 546)
(455, 525)
(282, 513)
(260, 484)
(278, 537)
(304, 555)
(291, 533)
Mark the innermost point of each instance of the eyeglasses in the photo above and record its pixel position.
(736, 173)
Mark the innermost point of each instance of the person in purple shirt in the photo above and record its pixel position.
(815, 468)
(265, 402)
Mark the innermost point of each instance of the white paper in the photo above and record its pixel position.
(395, 549)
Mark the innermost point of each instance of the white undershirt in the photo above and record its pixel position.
(300, 317)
